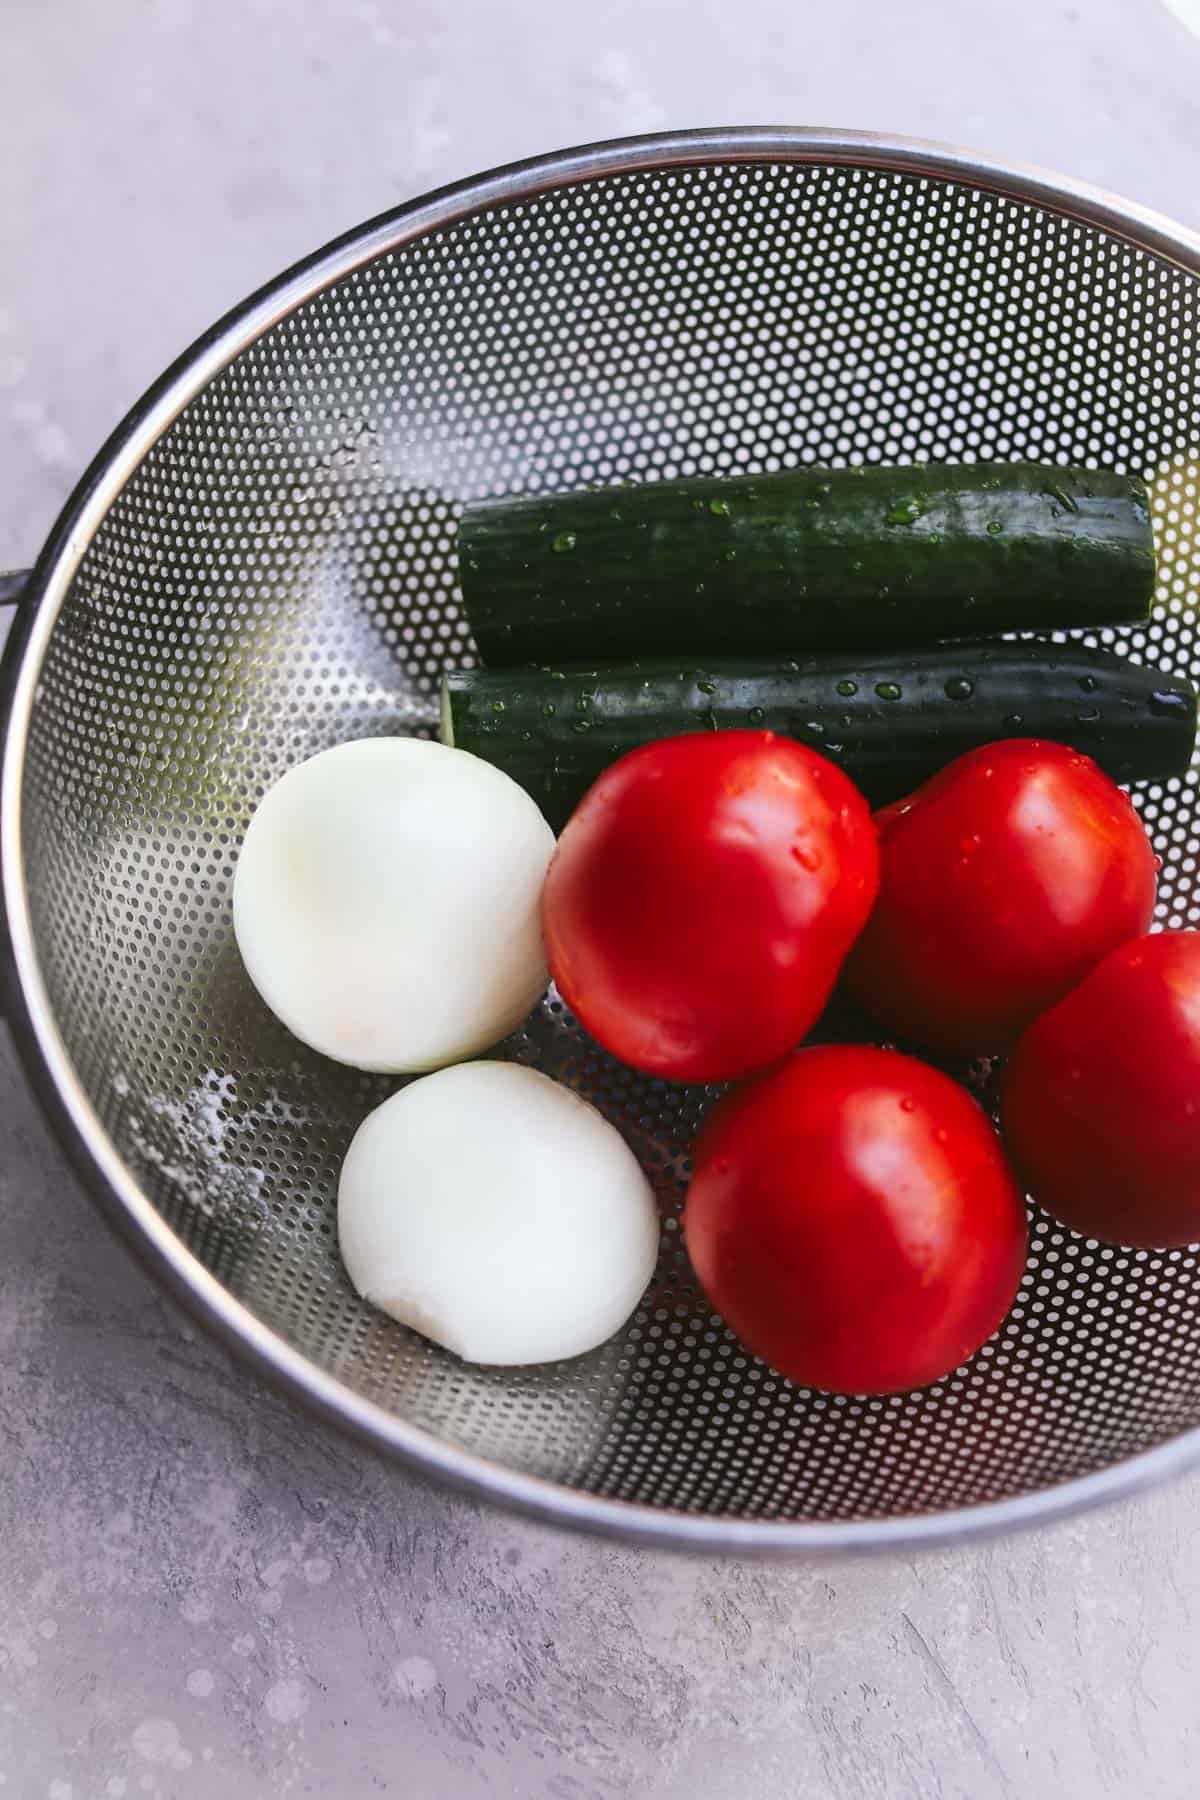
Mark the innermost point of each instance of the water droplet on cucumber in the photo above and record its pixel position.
(1066, 500)
(905, 512)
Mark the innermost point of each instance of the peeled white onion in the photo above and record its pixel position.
(386, 903)
(498, 1214)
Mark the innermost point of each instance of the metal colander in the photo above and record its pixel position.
(262, 563)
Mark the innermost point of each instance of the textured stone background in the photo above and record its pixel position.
(201, 1593)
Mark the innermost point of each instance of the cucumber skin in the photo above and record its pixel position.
(804, 560)
(1137, 723)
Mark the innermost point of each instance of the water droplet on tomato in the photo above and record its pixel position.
(1157, 864)
(806, 857)
(908, 1104)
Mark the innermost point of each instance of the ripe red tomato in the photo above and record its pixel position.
(702, 898)
(1002, 881)
(1101, 1105)
(852, 1216)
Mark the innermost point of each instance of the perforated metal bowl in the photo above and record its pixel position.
(261, 563)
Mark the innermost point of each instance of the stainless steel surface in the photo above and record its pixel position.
(262, 564)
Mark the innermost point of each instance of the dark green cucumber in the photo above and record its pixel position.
(806, 560)
(889, 720)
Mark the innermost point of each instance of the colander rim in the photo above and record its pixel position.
(43, 1053)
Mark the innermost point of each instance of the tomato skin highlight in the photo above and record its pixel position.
(1003, 881)
(702, 900)
(1101, 1103)
(853, 1218)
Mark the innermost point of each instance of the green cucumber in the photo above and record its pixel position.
(806, 560)
(889, 720)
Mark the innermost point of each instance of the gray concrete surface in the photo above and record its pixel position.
(201, 1593)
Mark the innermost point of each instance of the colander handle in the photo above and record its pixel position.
(12, 585)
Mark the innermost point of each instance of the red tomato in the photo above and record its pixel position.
(702, 898)
(1002, 881)
(853, 1218)
(1102, 1098)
